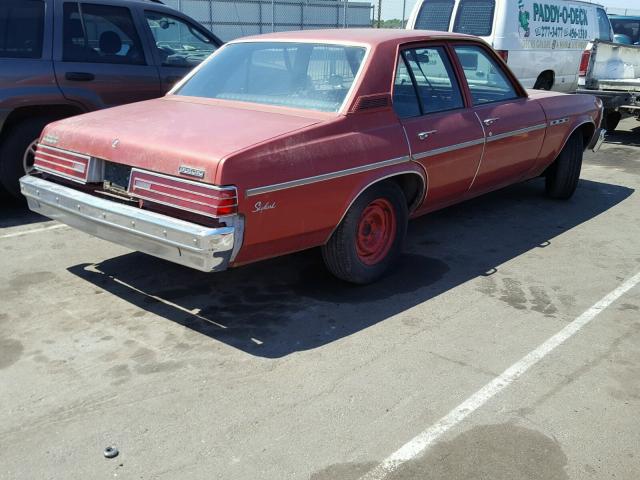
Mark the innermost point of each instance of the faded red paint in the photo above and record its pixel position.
(252, 146)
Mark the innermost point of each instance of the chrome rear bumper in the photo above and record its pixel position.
(203, 248)
(597, 140)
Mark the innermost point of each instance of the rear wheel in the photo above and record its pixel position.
(562, 177)
(370, 237)
(17, 152)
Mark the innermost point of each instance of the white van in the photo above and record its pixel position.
(542, 41)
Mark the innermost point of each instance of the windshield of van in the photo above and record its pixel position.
(435, 15)
(311, 76)
(630, 28)
(475, 17)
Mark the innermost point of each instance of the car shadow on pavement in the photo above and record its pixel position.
(627, 138)
(15, 212)
(276, 307)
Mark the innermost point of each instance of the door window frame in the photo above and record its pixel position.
(58, 42)
(151, 40)
(521, 93)
(449, 53)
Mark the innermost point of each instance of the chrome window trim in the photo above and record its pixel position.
(251, 192)
(350, 95)
(513, 133)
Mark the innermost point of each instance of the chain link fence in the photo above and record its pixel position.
(230, 19)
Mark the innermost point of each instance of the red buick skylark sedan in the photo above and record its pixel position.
(288, 141)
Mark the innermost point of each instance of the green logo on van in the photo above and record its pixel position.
(523, 18)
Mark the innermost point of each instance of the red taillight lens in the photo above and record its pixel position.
(195, 197)
(56, 161)
(504, 54)
(584, 63)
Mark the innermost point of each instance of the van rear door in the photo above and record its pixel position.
(434, 15)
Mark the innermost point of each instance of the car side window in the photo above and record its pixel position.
(22, 26)
(179, 43)
(405, 99)
(429, 72)
(487, 80)
(100, 34)
(604, 27)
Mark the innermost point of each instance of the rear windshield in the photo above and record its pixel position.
(630, 28)
(434, 15)
(475, 17)
(291, 74)
(21, 28)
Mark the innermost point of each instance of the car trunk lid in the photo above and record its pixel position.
(179, 136)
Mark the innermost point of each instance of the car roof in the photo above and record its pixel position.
(368, 36)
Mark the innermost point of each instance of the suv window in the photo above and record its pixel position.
(475, 17)
(487, 81)
(178, 42)
(426, 73)
(435, 15)
(604, 27)
(102, 34)
(21, 28)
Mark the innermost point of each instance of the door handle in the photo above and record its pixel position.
(79, 76)
(425, 135)
(490, 121)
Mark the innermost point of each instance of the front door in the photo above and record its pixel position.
(100, 59)
(444, 136)
(514, 125)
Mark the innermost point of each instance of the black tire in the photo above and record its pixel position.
(13, 148)
(562, 177)
(343, 254)
(610, 120)
(544, 82)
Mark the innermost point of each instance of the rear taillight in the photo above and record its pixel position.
(584, 63)
(70, 165)
(504, 54)
(200, 198)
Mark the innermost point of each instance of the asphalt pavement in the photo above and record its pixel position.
(278, 371)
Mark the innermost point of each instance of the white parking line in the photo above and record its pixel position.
(35, 230)
(419, 444)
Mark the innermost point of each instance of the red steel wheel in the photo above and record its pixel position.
(371, 235)
(376, 231)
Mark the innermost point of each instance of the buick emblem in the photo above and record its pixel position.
(191, 171)
(115, 143)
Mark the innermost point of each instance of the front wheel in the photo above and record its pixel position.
(371, 235)
(562, 177)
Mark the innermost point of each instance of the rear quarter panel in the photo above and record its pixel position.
(304, 216)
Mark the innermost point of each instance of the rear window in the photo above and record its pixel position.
(630, 28)
(434, 15)
(604, 27)
(475, 17)
(21, 28)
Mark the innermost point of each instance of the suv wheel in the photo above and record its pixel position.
(17, 150)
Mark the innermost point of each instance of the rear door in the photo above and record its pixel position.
(444, 135)
(100, 58)
(514, 125)
(179, 44)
